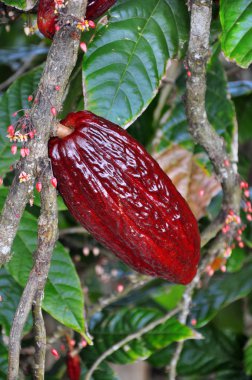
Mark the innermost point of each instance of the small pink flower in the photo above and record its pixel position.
(54, 182)
(11, 130)
(13, 149)
(83, 343)
(53, 111)
(55, 353)
(193, 322)
(31, 134)
(83, 47)
(38, 186)
(91, 24)
(24, 177)
(246, 193)
(120, 288)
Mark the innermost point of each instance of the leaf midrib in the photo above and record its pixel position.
(129, 60)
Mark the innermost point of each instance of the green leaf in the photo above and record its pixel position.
(25, 5)
(168, 296)
(13, 100)
(220, 110)
(3, 361)
(103, 372)
(244, 117)
(248, 357)
(236, 21)
(114, 327)
(236, 260)
(63, 293)
(10, 293)
(217, 351)
(220, 292)
(127, 58)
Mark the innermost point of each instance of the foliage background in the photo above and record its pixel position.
(128, 77)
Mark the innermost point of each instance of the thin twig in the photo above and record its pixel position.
(47, 236)
(104, 302)
(39, 337)
(73, 230)
(205, 135)
(17, 73)
(129, 338)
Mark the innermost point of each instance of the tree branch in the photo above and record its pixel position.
(139, 282)
(47, 236)
(205, 135)
(59, 65)
(39, 336)
(61, 60)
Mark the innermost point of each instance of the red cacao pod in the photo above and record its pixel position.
(96, 8)
(73, 367)
(119, 193)
(46, 18)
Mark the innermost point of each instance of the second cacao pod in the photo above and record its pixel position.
(46, 17)
(119, 193)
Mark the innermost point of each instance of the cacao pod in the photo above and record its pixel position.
(119, 193)
(96, 8)
(46, 18)
(73, 367)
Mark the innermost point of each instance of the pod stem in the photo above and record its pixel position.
(63, 131)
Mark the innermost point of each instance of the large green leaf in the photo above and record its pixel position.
(127, 58)
(25, 5)
(3, 361)
(220, 292)
(103, 372)
(10, 293)
(115, 326)
(248, 357)
(220, 109)
(63, 293)
(236, 21)
(13, 100)
(244, 117)
(217, 352)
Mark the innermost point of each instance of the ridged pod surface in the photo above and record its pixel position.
(46, 18)
(119, 193)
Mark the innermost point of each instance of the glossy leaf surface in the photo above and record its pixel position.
(127, 58)
(10, 293)
(220, 292)
(25, 5)
(63, 293)
(112, 328)
(236, 21)
(219, 107)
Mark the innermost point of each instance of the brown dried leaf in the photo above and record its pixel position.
(192, 180)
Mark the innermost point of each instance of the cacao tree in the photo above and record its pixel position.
(125, 228)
